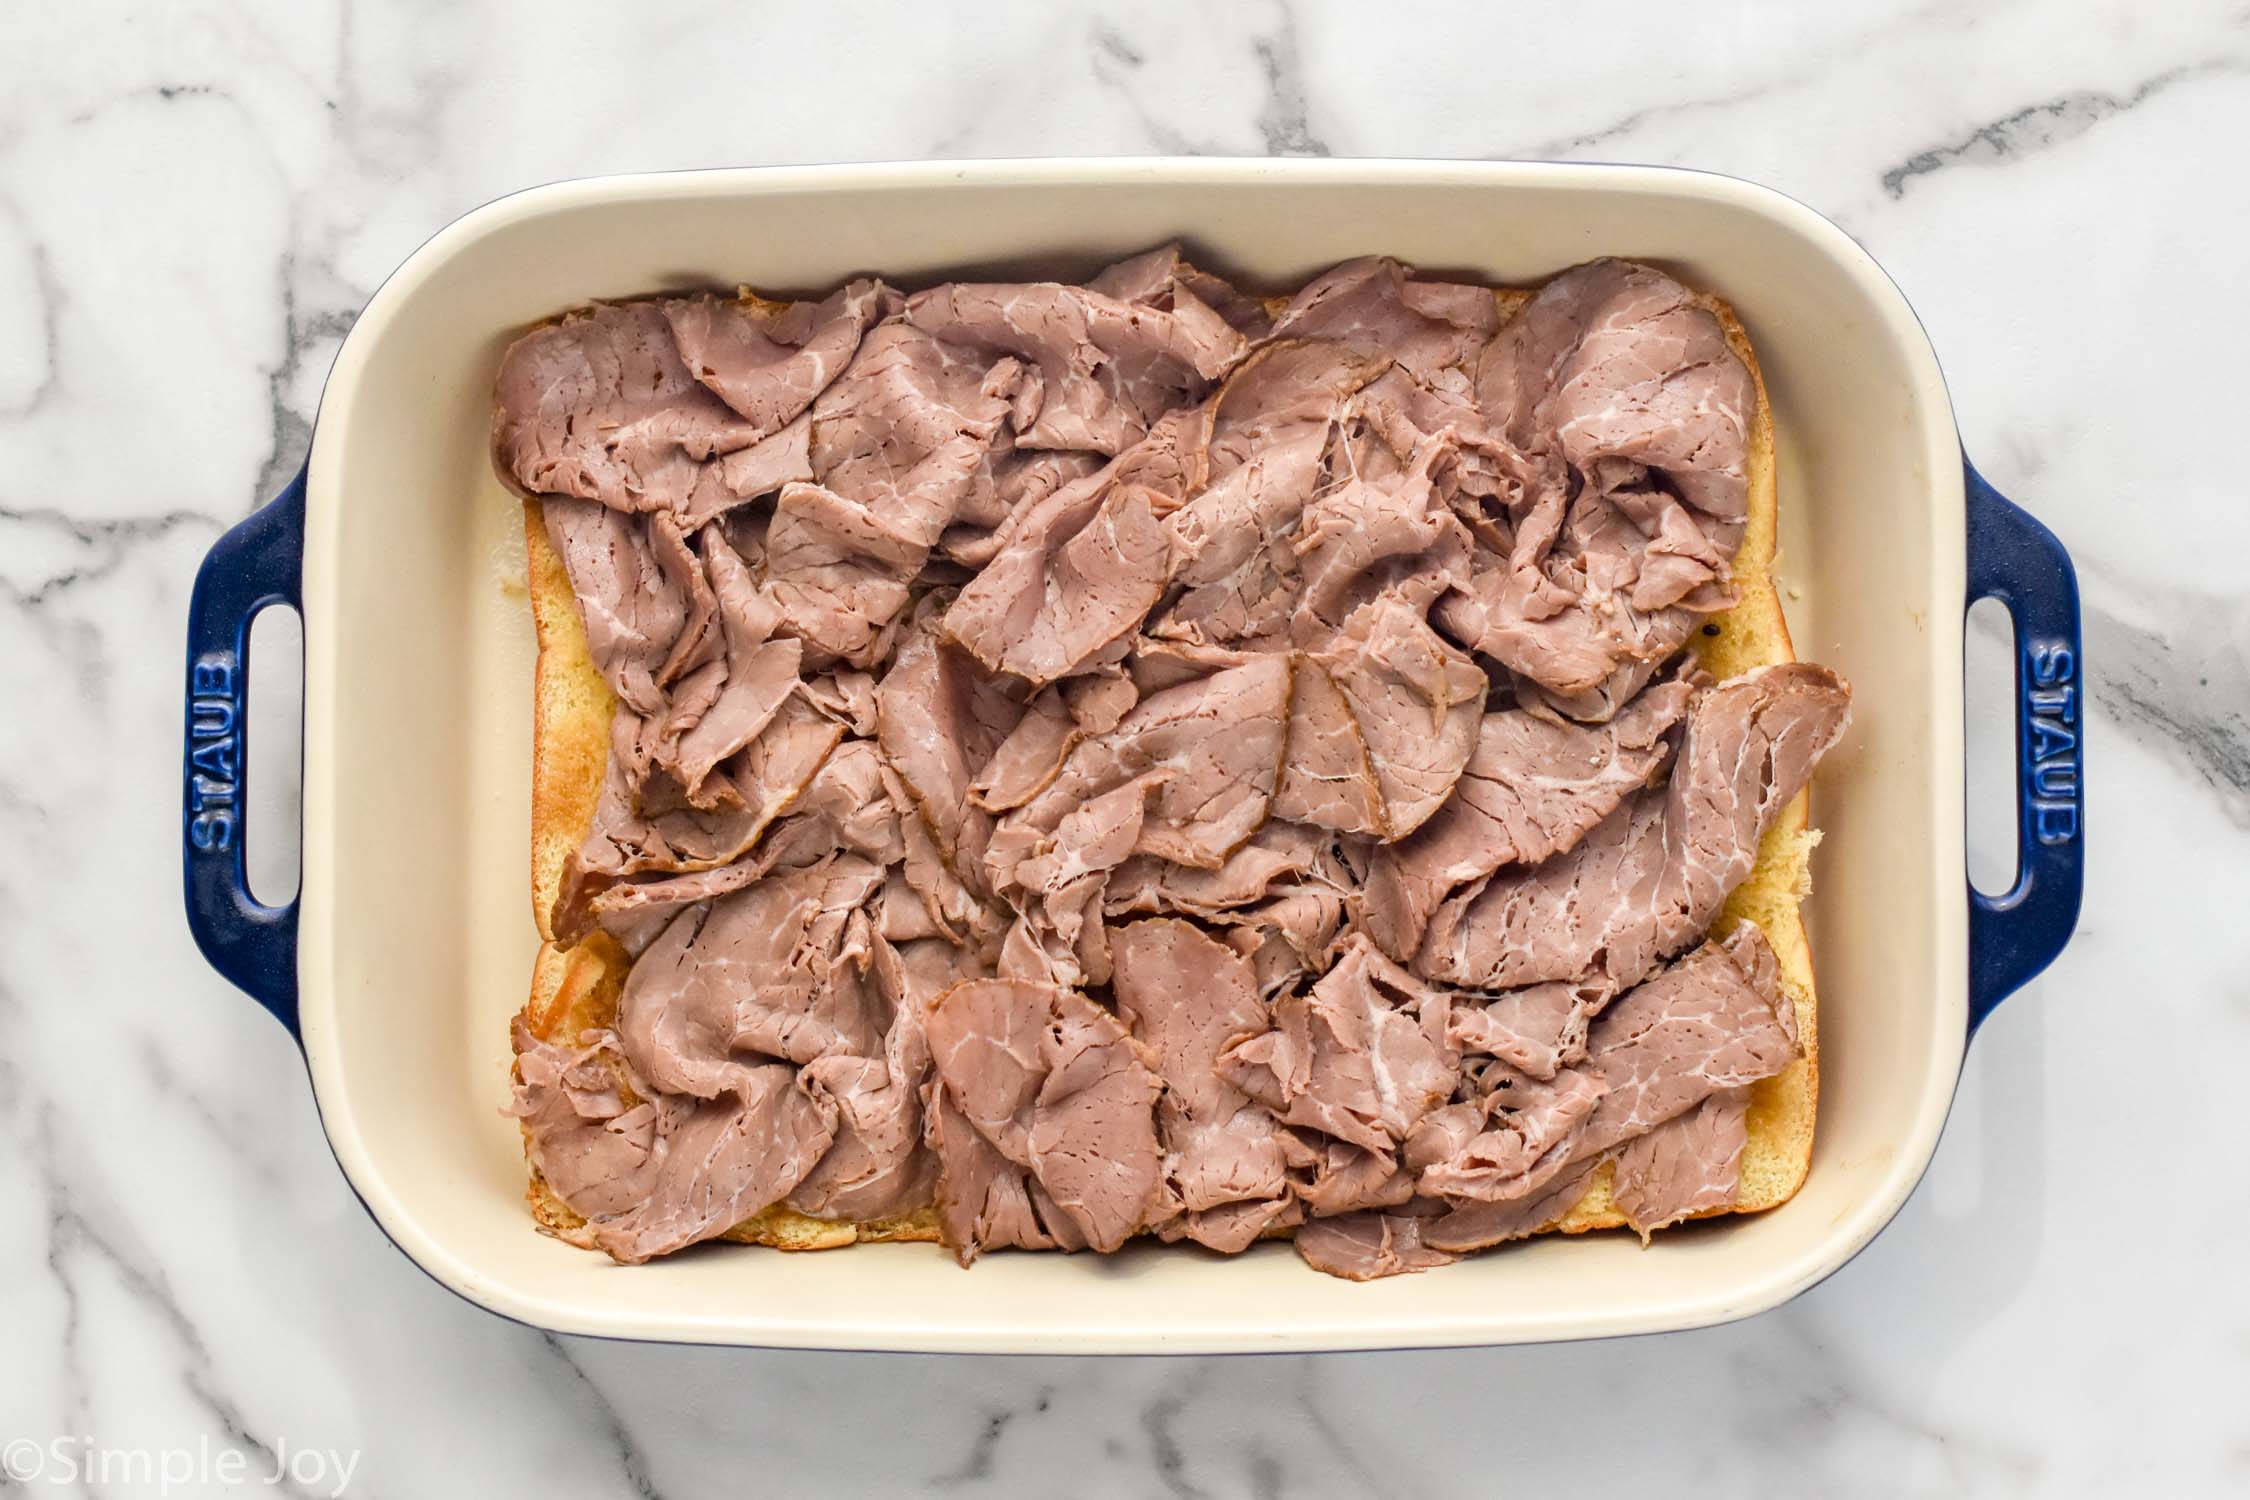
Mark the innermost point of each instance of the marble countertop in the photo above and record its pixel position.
(195, 199)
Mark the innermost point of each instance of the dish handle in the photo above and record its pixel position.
(2012, 936)
(258, 564)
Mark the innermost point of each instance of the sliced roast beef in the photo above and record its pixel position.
(1690, 1164)
(1186, 997)
(1536, 1030)
(770, 360)
(1278, 854)
(1209, 751)
(1270, 429)
(1635, 415)
(1532, 788)
(1051, 1082)
(601, 407)
(777, 969)
(1074, 573)
(669, 835)
(633, 611)
(586, 1141)
(1478, 1225)
(1102, 369)
(756, 672)
(1529, 1135)
(1432, 329)
(939, 719)
(1361, 1056)
(908, 427)
(845, 805)
(1041, 708)
(1367, 1245)
(1334, 1177)
(840, 570)
(715, 1162)
(1415, 702)
(1652, 875)
(662, 1175)
(1715, 1020)
(1709, 1024)
(878, 1166)
(1366, 539)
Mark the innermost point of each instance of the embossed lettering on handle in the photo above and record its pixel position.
(214, 761)
(2050, 713)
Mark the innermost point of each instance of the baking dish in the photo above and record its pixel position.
(410, 941)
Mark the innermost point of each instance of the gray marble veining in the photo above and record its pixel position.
(195, 201)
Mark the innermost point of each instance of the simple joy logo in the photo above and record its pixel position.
(75, 1460)
(214, 762)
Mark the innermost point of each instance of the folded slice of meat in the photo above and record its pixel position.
(1690, 1164)
(715, 1162)
(1010, 480)
(984, 1200)
(632, 610)
(1031, 756)
(1077, 574)
(600, 406)
(1652, 876)
(1529, 1136)
(1434, 330)
(1714, 1021)
(846, 695)
(909, 427)
(1415, 701)
(1575, 618)
(1106, 368)
(1055, 720)
(655, 1177)
(1635, 414)
(776, 969)
(1333, 1177)
(845, 806)
(1148, 276)
(1531, 789)
(1063, 883)
(1368, 538)
(878, 1166)
(667, 835)
(1536, 1030)
(939, 719)
(583, 1137)
(1480, 1225)
(840, 570)
(955, 909)
(1057, 1088)
(769, 360)
(758, 671)
(1709, 1024)
(1186, 996)
(1368, 1245)
(1361, 1056)
(1327, 778)
(1614, 363)
(752, 473)
(1275, 855)
(1270, 428)
(1213, 745)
